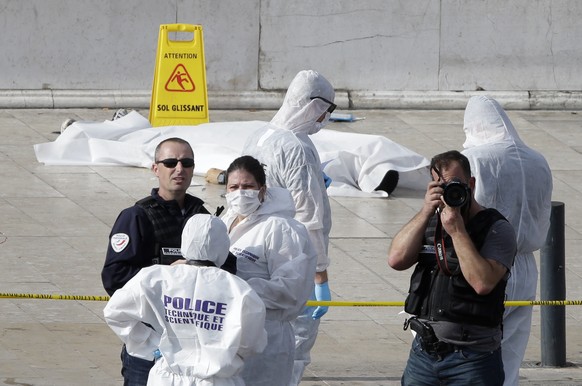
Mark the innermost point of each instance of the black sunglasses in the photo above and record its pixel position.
(173, 162)
(331, 107)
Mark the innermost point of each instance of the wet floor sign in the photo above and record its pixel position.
(179, 95)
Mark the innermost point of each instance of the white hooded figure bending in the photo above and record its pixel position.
(199, 321)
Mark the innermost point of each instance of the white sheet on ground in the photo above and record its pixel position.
(355, 162)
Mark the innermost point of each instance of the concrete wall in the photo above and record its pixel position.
(384, 50)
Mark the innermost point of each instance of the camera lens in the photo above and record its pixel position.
(455, 193)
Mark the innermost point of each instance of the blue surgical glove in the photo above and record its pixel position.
(326, 180)
(321, 294)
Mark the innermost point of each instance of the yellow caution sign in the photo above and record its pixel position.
(179, 95)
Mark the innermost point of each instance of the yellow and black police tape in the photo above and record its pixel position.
(508, 303)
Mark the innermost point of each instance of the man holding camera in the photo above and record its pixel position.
(463, 253)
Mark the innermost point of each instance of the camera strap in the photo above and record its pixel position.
(439, 248)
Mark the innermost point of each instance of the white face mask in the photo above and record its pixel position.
(243, 201)
(320, 125)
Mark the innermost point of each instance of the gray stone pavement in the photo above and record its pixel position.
(55, 220)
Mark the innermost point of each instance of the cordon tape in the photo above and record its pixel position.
(312, 303)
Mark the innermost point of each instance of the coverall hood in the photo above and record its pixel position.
(486, 122)
(205, 237)
(278, 201)
(299, 113)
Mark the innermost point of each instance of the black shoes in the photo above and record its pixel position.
(389, 182)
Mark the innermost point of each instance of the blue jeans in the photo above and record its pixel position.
(135, 371)
(461, 367)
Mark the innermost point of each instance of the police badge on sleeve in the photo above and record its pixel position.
(119, 242)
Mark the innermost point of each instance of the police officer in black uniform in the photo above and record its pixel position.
(150, 233)
(462, 254)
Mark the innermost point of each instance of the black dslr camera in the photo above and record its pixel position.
(455, 193)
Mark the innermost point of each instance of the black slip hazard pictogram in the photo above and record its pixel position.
(180, 80)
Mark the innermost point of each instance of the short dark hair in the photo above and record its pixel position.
(172, 139)
(444, 160)
(251, 165)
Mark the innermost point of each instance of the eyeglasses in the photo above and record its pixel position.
(331, 107)
(173, 162)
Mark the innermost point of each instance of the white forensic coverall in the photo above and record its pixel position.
(205, 321)
(517, 181)
(275, 256)
(292, 162)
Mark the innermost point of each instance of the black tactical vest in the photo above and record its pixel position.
(434, 295)
(168, 223)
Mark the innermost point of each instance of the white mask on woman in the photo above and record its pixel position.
(243, 201)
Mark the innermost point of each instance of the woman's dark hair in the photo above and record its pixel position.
(251, 165)
(443, 160)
